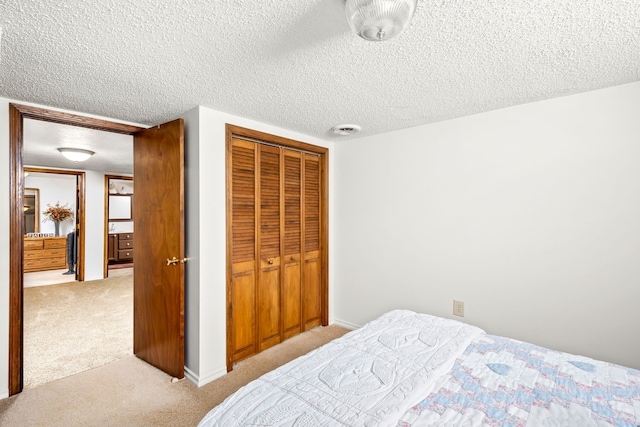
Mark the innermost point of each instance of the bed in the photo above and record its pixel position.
(412, 369)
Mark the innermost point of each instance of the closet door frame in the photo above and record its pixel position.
(323, 153)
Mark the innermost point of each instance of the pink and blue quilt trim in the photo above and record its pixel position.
(503, 382)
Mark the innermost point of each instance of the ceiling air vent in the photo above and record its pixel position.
(346, 129)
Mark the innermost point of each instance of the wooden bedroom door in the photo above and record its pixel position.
(158, 252)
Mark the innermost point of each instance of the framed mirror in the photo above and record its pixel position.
(31, 210)
(120, 207)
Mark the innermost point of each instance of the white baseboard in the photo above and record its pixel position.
(190, 375)
(347, 325)
(4, 395)
(206, 379)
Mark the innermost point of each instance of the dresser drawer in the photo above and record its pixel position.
(125, 244)
(44, 264)
(46, 253)
(33, 244)
(125, 236)
(55, 243)
(124, 254)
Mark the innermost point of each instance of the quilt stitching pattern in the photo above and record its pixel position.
(368, 377)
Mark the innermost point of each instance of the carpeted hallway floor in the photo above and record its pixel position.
(72, 327)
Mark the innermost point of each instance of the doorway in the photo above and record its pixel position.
(47, 187)
(118, 225)
(17, 115)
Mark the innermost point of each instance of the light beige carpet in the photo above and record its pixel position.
(75, 326)
(130, 392)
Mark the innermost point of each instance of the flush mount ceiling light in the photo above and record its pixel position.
(379, 20)
(345, 129)
(76, 154)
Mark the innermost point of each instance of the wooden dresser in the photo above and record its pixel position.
(45, 253)
(120, 247)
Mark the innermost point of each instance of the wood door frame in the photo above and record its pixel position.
(80, 209)
(17, 114)
(323, 152)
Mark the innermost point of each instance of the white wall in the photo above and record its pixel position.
(94, 226)
(54, 189)
(530, 215)
(120, 227)
(206, 213)
(192, 243)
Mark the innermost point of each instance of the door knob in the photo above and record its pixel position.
(172, 261)
(184, 260)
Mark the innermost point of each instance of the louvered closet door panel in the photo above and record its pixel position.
(312, 274)
(269, 244)
(292, 242)
(243, 292)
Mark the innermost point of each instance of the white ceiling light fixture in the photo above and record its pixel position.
(76, 154)
(344, 130)
(379, 20)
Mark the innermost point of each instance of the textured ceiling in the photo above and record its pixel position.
(297, 65)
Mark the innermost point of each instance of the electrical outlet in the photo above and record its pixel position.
(458, 308)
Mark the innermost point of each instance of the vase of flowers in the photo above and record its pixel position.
(57, 214)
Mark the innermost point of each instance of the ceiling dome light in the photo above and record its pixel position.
(344, 130)
(379, 20)
(76, 154)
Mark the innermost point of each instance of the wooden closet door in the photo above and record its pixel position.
(242, 295)
(312, 273)
(276, 231)
(269, 243)
(292, 243)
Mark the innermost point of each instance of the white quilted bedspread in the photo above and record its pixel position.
(368, 377)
